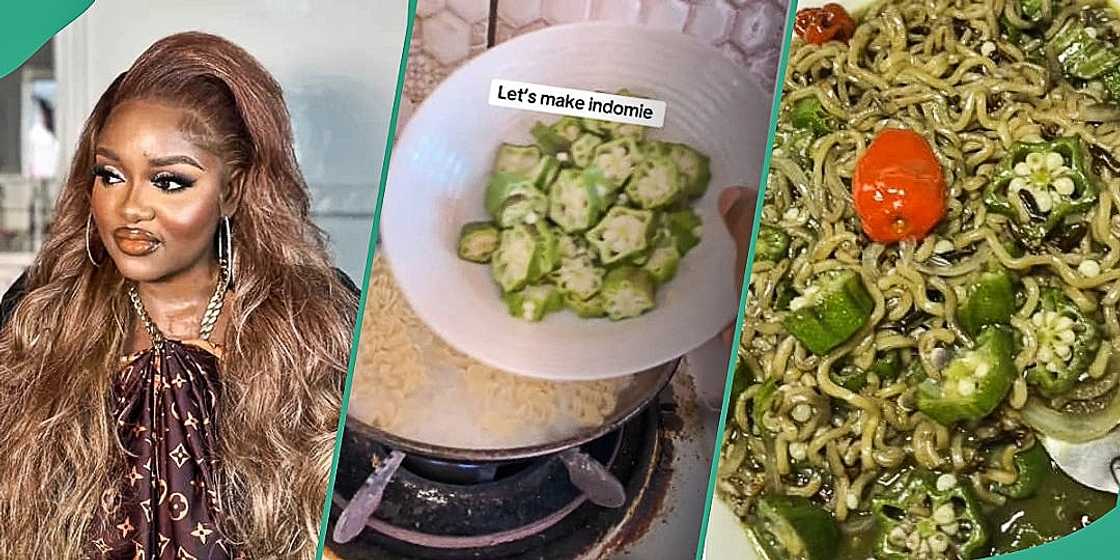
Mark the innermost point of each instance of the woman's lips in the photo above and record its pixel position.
(135, 242)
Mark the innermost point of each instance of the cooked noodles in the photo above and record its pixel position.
(409, 382)
(948, 70)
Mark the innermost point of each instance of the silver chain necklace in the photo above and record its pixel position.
(209, 318)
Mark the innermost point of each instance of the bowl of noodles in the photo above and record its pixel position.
(934, 286)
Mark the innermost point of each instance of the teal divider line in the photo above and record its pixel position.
(28, 25)
(365, 279)
(1095, 541)
(775, 109)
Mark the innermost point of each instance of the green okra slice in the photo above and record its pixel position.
(1032, 467)
(549, 139)
(694, 166)
(794, 528)
(616, 160)
(1080, 53)
(927, 511)
(583, 149)
(576, 199)
(569, 246)
(627, 292)
(478, 241)
(623, 232)
(525, 206)
(517, 159)
(974, 383)
(579, 277)
(686, 228)
(591, 308)
(623, 130)
(664, 258)
(832, 309)
(533, 302)
(655, 183)
(1068, 342)
(772, 243)
(502, 185)
(525, 254)
(808, 114)
(594, 126)
(990, 300)
(1040, 185)
(569, 128)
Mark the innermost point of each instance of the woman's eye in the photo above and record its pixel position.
(107, 175)
(171, 182)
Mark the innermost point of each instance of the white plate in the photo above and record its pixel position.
(440, 166)
(726, 537)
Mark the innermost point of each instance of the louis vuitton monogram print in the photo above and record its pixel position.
(168, 505)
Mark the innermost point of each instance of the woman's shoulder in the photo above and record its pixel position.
(12, 298)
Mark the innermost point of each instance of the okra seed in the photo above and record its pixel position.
(897, 536)
(951, 528)
(966, 387)
(562, 156)
(852, 501)
(939, 543)
(987, 48)
(802, 412)
(982, 369)
(913, 541)
(1062, 350)
(943, 514)
(798, 450)
(946, 482)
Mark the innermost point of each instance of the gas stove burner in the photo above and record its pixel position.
(442, 510)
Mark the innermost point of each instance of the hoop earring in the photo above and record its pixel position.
(225, 249)
(89, 252)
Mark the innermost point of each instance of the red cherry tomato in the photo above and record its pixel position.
(898, 187)
(821, 25)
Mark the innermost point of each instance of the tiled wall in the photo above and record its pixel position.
(446, 33)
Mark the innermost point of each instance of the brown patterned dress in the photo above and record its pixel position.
(168, 506)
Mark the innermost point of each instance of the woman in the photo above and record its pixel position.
(171, 365)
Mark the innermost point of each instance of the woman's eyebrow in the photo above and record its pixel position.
(173, 160)
(107, 153)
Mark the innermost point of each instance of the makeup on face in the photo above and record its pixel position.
(155, 195)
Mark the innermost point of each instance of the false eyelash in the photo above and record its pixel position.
(167, 176)
(103, 172)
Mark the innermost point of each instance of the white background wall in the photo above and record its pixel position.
(337, 62)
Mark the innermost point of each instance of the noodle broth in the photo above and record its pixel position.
(846, 430)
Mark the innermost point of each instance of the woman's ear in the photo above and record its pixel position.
(231, 194)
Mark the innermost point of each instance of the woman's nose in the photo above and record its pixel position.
(134, 207)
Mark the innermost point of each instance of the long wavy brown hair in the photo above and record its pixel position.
(286, 347)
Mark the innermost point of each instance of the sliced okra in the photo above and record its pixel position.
(583, 149)
(525, 254)
(532, 303)
(656, 183)
(576, 199)
(621, 233)
(616, 160)
(478, 241)
(627, 292)
(579, 277)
